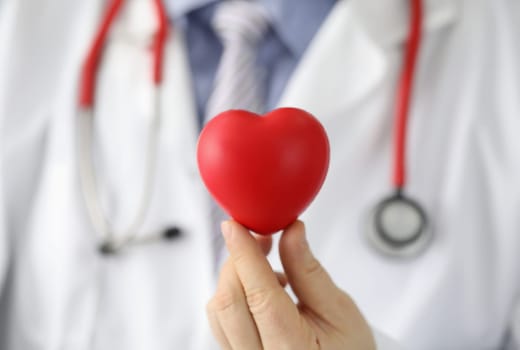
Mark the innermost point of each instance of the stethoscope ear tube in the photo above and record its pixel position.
(90, 66)
(110, 244)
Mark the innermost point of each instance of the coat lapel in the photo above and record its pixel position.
(347, 58)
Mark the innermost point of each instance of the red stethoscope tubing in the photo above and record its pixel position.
(91, 63)
(112, 243)
(404, 93)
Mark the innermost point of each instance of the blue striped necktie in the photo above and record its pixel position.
(240, 25)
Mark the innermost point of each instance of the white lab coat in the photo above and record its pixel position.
(58, 293)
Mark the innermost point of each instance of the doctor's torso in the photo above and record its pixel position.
(464, 167)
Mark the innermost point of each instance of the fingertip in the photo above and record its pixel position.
(293, 237)
(239, 239)
(297, 228)
(237, 227)
(227, 229)
(232, 230)
(297, 225)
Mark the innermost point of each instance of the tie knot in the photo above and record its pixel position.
(240, 20)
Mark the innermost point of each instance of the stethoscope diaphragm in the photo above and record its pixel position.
(398, 226)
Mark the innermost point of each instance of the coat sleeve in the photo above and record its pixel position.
(4, 246)
(513, 336)
(4, 251)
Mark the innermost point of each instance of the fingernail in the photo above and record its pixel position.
(225, 226)
(305, 245)
(303, 237)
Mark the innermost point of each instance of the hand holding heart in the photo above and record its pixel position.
(251, 310)
(264, 172)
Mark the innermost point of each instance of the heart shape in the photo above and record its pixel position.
(263, 171)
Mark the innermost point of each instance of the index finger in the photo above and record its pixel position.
(275, 314)
(253, 269)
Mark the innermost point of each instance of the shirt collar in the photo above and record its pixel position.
(388, 25)
(294, 21)
(178, 9)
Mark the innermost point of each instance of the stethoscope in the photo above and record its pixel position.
(398, 225)
(111, 243)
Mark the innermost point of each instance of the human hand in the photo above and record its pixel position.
(251, 310)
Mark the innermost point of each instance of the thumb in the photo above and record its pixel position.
(309, 280)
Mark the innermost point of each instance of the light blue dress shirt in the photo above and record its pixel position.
(293, 25)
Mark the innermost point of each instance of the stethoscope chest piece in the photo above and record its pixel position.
(398, 226)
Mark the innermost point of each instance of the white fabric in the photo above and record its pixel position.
(384, 342)
(4, 238)
(464, 168)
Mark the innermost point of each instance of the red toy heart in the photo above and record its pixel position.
(263, 171)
